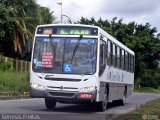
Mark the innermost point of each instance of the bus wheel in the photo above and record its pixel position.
(50, 103)
(119, 102)
(103, 104)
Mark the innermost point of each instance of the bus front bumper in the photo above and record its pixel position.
(64, 96)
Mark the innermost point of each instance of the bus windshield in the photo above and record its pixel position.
(65, 55)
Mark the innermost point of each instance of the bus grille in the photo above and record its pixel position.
(60, 94)
(64, 79)
(65, 88)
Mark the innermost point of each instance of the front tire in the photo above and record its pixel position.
(101, 106)
(50, 103)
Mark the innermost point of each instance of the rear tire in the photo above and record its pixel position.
(119, 102)
(50, 103)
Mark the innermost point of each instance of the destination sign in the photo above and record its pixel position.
(63, 31)
(67, 30)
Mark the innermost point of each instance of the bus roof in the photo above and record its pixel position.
(45, 25)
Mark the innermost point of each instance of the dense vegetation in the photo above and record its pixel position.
(18, 20)
(142, 39)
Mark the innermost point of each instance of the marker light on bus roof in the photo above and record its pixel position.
(47, 31)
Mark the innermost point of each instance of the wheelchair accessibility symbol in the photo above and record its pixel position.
(67, 68)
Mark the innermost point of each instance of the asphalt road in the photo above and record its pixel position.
(35, 109)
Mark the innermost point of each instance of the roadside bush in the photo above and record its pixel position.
(150, 78)
(6, 66)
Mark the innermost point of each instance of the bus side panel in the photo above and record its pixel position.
(119, 84)
(102, 90)
(116, 91)
(129, 90)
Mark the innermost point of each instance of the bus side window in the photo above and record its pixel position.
(111, 54)
(120, 56)
(122, 60)
(102, 57)
(108, 53)
(126, 60)
(129, 62)
(132, 63)
(116, 58)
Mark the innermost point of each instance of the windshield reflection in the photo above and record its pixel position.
(65, 55)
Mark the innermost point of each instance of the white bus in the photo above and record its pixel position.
(74, 63)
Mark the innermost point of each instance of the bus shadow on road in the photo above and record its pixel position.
(82, 108)
(74, 108)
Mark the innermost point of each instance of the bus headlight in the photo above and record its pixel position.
(88, 89)
(37, 86)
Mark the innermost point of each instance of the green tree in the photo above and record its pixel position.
(6, 28)
(46, 17)
(18, 21)
(20, 11)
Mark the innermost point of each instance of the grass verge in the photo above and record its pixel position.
(147, 90)
(14, 82)
(148, 111)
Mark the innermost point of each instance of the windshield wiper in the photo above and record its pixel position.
(76, 47)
